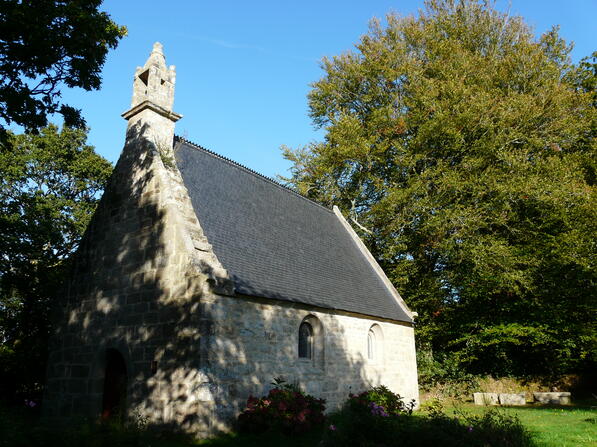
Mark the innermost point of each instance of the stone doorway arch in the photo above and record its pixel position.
(115, 385)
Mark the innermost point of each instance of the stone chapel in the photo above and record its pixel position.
(198, 281)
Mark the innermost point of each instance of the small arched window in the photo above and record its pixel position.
(305, 344)
(371, 345)
(375, 344)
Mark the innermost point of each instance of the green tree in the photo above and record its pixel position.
(463, 149)
(49, 187)
(47, 44)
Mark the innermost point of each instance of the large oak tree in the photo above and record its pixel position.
(463, 149)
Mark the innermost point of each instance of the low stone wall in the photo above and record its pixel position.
(486, 398)
(554, 398)
(499, 398)
(512, 399)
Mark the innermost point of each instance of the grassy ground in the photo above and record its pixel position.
(571, 426)
(266, 440)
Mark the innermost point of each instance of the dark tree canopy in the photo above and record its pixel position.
(465, 147)
(49, 187)
(45, 45)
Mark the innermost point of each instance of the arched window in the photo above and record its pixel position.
(311, 343)
(371, 345)
(375, 344)
(305, 344)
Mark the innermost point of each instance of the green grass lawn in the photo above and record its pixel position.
(570, 426)
(266, 440)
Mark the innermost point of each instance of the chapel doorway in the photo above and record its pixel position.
(115, 384)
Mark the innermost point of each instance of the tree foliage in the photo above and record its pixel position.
(465, 146)
(49, 187)
(45, 44)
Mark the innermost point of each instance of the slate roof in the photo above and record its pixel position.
(276, 243)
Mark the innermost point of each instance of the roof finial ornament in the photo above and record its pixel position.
(158, 48)
(153, 91)
(155, 81)
(156, 58)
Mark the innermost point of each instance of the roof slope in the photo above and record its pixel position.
(277, 244)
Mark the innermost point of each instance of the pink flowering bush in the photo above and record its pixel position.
(285, 408)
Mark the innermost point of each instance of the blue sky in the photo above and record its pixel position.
(244, 67)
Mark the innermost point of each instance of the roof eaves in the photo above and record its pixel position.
(322, 307)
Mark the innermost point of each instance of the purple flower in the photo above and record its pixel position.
(378, 410)
(332, 427)
(470, 428)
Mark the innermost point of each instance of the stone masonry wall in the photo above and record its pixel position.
(254, 340)
(137, 279)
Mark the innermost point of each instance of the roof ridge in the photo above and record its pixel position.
(250, 171)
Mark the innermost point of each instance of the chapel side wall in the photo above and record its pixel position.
(254, 340)
(132, 289)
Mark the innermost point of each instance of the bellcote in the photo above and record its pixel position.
(153, 87)
(154, 81)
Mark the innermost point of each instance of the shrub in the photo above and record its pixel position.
(21, 427)
(361, 423)
(504, 429)
(367, 418)
(286, 409)
(442, 376)
(380, 401)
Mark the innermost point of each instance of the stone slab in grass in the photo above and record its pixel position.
(512, 399)
(554, 398)
(486, 398)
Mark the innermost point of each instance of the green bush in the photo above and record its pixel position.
(22, 427)
(285, 409)
(355, 426)
(367, 418)
(379, 401)
(444, 375)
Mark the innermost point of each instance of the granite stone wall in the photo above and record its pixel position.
(254, 340)
(135, 287)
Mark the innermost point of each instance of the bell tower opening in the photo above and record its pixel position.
(144, 77)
